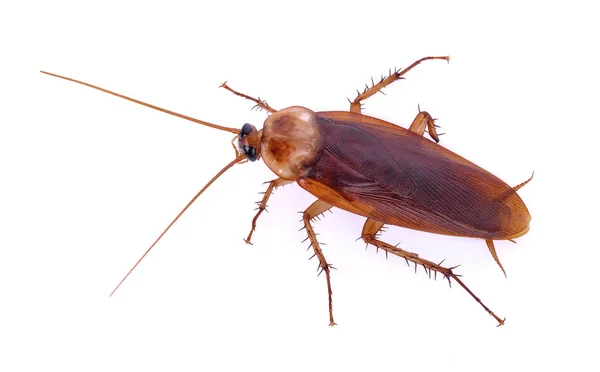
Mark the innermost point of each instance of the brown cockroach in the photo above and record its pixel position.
(375, 169)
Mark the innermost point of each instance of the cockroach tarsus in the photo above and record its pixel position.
(375, 169)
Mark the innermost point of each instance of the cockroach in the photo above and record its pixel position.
(375, 169)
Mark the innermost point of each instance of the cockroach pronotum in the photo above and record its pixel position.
(375, 169)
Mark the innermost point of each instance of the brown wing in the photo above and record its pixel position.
(387, 173)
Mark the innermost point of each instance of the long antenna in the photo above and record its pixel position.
(231, 164)
(238, 159)
(232, 130)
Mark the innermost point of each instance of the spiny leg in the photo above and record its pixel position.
(262, 205)
(355, 106)
(424, 120)
(314, 210)
(369, 234)
(259, 103)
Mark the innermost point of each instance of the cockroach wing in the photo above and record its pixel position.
(381, 171)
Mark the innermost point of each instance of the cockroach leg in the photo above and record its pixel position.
(355, 106)
(314, 210)
(492, 249)
(516, 188)
(262, 205)
(259, 103)
(369, 232)
(424, 120)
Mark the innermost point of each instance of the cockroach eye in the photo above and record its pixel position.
(249, 142)
(247, 129)
(250, 152)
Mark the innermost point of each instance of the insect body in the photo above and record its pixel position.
(378, 170)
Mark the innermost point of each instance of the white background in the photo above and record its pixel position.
(88, 181)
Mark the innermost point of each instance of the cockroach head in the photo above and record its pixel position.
(249, 142)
